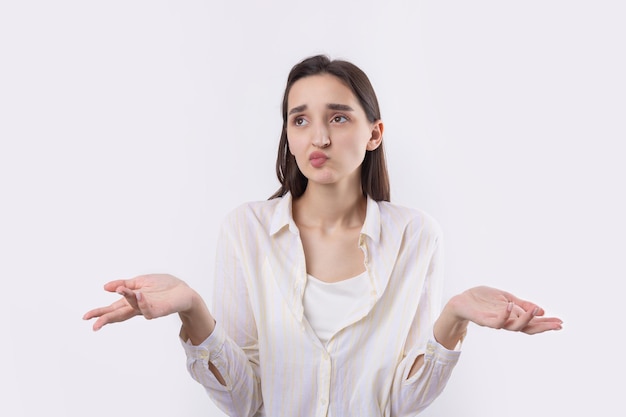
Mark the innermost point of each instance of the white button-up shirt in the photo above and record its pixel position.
(270, 357)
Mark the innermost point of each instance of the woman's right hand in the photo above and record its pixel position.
(152, 296)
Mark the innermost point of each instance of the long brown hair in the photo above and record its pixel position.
(374, 175)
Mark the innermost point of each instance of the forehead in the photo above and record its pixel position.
(322, 88)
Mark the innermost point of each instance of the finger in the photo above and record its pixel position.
(517, 311)
(130, 296)
(98, 312)
(115, 316)
(526, 305)
(521, 322)
(503, 317)
(541, 324)
(132, 284)
(113, 285)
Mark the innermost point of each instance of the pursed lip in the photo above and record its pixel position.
(318, 155)
(318, 159)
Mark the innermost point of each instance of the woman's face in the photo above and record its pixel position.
(328, 131)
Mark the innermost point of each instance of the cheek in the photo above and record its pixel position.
(354, 144)
(295, 144)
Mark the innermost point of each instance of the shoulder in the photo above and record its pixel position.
(256, 208)
(253, 214)
(253, 210)
(410, 220)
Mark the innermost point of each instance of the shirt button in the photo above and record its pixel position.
(323, 401)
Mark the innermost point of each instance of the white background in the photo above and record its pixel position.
(130, 128)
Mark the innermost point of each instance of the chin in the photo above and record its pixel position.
(322, 179)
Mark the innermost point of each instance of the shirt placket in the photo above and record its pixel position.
(324, 384)
(363, 246)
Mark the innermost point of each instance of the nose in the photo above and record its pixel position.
(321, 138)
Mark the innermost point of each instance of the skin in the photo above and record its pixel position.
(324, 116)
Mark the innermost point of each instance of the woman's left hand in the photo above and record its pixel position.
(491, 307)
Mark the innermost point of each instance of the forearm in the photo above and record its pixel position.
(197, 321)
(450, 328)
(198, 324)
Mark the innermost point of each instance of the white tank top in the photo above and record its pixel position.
(329, 307)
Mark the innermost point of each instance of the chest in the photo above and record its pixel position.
(332, 257)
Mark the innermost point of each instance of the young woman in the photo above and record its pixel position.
(327, 296)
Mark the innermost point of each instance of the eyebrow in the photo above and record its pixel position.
(330, 106)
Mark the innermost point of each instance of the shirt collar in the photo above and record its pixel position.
(371, 225)
(283, 216)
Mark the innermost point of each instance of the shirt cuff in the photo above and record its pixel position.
(436, 350)
(435, 356)
(210, 347)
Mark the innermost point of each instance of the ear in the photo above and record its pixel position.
(377, 136)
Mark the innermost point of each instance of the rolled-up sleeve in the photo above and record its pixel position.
(232, 347)
(241, 394)
(414, 394)
(411, 395)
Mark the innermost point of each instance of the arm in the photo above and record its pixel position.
(429, 356)
(222, 355)
(226, 363)
(481, 305)
(197, 321)
(426, 366)
(197, 326)
(158, 295)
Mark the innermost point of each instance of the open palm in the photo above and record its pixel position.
(152, 296)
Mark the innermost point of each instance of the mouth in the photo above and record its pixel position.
(318, 159)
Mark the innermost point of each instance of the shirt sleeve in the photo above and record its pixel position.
(410, 396)
(232, 347)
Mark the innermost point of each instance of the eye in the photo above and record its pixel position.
(299, 121)
(340, 118)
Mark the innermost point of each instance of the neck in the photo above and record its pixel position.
(330, 207)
